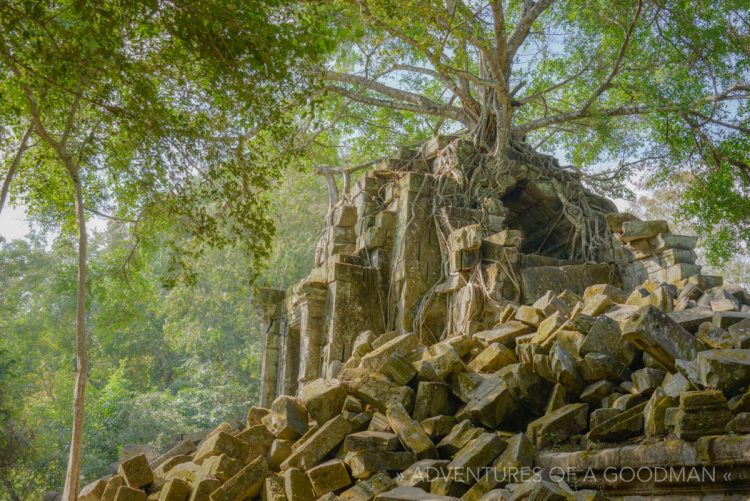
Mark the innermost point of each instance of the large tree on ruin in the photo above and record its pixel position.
(656, 86)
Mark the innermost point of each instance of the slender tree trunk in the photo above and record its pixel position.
(70, 492)
(13, 166)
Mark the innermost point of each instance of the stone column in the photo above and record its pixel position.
(312, 303)
(269, 306)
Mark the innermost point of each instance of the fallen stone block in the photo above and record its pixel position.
(175, 490)
(93, 491)
(661, 337)
(623, 425)
(460, 435)
(125, 493)
(490, 403)
(258, 439)
(328, 477)
(740, 333)
(203, 488)
(320, 443)
(278, 452)
(479, 452)
(410, 433)
(246, 483)
(398, 369)
(288, 418)
(433, 399)
(221, 443)
(558, 426)
(323, 399)
(604, 336)
(492, 358)
(400, 345)
(222, 467)
(438, 362)
(297, 486)
(273, 489)
(371, 441)
(437, 427)
(505, 333)
(665, 241)
(366, 490)
(113, 484)
(636, 230)
(725, 370)
(365, 464)
(136, 472)
(380, 392)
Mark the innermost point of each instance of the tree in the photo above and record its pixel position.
(147, 113)
(647, 84)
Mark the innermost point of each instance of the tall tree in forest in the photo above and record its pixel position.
(658, 84)
(146, 112)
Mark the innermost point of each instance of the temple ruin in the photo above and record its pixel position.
(422, 244)
(477, 329)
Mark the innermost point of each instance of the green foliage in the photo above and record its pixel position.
(164, 361)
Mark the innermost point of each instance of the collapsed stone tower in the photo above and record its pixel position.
(438, 240)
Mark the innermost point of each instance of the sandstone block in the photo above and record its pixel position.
(492, 358)
(725, 370)
(175, 490)
(328, 477)
(410, 432)
(505, 333)
(635, 230)
(288, 418)
(654, 332)
(621, 426)
(323, 399)
(297, 486)
(559, 425)
(273, 489)
(136, 472)
(433, 399)
(278, 452)
(125, 493)
(398, 369)
(371, 441)
(366, 490)
(438, 362)
(400, 345)
(422, 473)
(246, 483)
(460, 435)
(93, 491)
(320, 443)
(259, 440)
(379, 391)
(110, 490)
(364, 464)
(476, 454)
(740, 333)
(222, 443)
(222, 467)
(203, 488)
(437, 427)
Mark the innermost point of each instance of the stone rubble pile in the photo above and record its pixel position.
(466, 417)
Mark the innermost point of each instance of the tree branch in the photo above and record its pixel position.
(438, 110)
(532, 11)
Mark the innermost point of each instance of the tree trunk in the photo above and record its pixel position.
(13, 166)
(70, 492)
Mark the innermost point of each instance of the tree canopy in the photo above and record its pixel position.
(660, 86)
